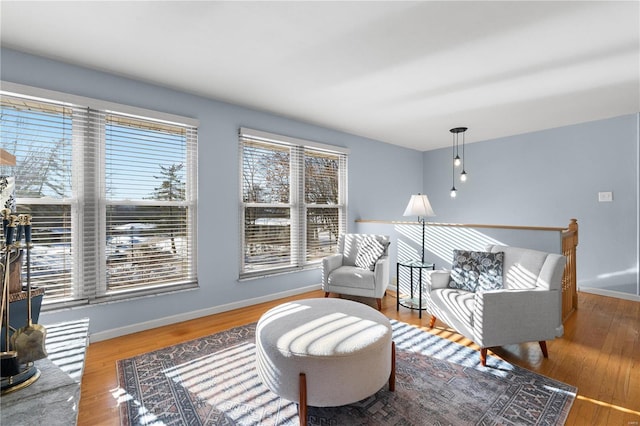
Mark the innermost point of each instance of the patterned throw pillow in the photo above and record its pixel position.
(476, 270)
(369, 251)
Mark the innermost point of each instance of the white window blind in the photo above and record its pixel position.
(324, 192)
(293, 202)
(148, 213)
(39, 134)
(112, 195)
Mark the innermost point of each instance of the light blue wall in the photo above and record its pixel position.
(546, 178)
(376, 171)
(543, 178)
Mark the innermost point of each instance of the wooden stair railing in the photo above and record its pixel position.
(569, 279)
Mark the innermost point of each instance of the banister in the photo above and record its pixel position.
(569, 277)
(465, 225)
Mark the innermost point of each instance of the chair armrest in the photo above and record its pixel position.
(330, 263)
(513, 316)
(381, 272)
(437, 279)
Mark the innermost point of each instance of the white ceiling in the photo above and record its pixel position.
(399, 72)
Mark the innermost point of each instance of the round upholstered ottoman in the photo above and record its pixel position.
(324, 352)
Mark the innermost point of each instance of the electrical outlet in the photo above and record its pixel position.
(605, 197)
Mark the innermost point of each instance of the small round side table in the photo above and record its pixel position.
(410, 302)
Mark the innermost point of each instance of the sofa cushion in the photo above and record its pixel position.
(352, 276)
(476, 270)
(369, 251)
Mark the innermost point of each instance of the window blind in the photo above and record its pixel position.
(324, 195)
(266, 197)
(293, 202)
(148, 213)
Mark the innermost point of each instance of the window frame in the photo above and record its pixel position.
(92, 155)
(297, 205)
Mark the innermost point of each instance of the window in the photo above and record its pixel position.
(112, 195)
(293, 202)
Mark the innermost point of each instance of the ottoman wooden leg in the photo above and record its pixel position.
(302, 405)
(392, 376)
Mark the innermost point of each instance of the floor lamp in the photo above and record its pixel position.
(419, 206)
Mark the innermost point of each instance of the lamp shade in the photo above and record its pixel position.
(419, 206)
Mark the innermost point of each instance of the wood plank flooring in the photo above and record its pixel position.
(599, 353)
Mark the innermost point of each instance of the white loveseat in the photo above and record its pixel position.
(527, 308)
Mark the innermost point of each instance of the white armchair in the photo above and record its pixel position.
(527, 309)
(360, 268)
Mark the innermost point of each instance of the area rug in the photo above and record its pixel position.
(213, 381)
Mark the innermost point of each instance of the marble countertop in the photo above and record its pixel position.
(52, 399)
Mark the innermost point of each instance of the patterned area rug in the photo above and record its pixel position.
(212, 381)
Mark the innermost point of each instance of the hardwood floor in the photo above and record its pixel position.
(599, 353)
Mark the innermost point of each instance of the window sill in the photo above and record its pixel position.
(122, 296)
(251, 276)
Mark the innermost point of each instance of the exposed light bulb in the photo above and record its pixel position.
(456, 161)
(463, 176)
(453, 192)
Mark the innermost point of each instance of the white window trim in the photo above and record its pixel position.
(275, 138)
(36, 92)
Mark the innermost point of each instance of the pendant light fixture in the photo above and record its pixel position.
(453, 183)
(463, 175)
(456, 158)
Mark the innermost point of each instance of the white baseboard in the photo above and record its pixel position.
(610, 293)
(147, 325)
